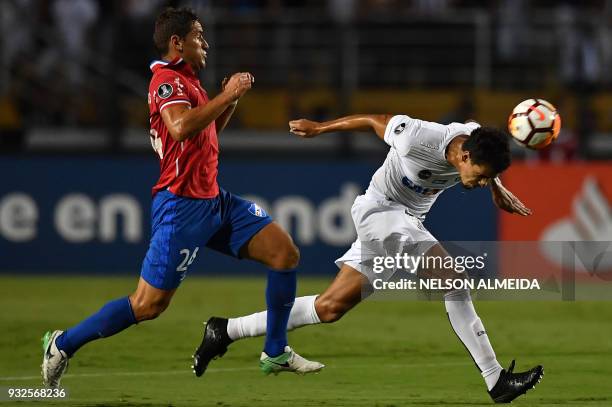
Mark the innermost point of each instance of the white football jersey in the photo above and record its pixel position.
(415, 171)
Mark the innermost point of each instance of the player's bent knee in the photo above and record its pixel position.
(286, 259)
(330, 310)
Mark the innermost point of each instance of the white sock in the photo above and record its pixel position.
(302, 313)
(471, 332)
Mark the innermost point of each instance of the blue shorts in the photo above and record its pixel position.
(182, 226)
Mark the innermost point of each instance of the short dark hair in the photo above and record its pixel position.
(489, 146)
(172, 21)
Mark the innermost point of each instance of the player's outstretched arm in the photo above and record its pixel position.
(183, 122)
(359, 122)
(504, 199)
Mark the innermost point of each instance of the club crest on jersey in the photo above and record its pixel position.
(399, 128)
(257, 210)
(165, 90)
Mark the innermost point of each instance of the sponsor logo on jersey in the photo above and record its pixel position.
(257, 210)
(399, 128)
(424, 174)
(419, 189)
(165, 90)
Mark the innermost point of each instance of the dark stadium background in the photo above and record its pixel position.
(78, 165)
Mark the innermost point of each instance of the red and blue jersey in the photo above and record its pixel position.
(181, 226)
(187, 168)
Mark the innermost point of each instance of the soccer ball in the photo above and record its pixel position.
(534, 123)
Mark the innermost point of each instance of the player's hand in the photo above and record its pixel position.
(237, 85)
(305, 128)
(506, 200)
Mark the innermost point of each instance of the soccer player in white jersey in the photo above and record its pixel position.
(424, 159)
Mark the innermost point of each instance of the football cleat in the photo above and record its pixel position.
(214, 344)
(55, 361)
(289, 361)
(510, 385)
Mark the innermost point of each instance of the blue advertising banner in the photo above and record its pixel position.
(67, 214)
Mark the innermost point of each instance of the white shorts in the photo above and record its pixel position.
(379, 221)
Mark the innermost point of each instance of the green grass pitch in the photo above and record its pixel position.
(380, 354)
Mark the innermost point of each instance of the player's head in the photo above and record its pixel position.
(485, 154)
(179, 33)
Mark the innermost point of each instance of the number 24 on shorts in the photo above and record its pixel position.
(188, 259)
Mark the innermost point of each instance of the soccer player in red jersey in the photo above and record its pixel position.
(190, 210)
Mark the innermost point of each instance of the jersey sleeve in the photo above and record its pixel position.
(168, 88)
(471, 126)
(465, 128)
(401, 133)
